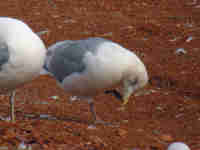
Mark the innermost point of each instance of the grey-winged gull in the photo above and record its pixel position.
(22, 55)
(85, 67)
(178, 146)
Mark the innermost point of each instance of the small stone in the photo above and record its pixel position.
(55, 16)
(44, 102)
(37, 13)
(181, 51)
(159, 108)
(30, 115)
(22, 146)
(174, 39)
(97, 140)
(92, 127)
(121, 132)
(125, 121)
(179, 115)
(166, 138)
(73, 98)
(55, 97)
(122, 108)
(85, 32)
(178, 25)
(189, 25)
(44, 116)
(70, 21)
(7, 119)
(140, 130)
(190, 38)
(107, 34)
(156, 132)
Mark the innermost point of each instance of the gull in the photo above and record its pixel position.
(22, 56)
(86, 67)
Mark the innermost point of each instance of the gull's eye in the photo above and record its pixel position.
(133, 82)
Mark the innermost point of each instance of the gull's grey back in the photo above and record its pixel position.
(67, 57)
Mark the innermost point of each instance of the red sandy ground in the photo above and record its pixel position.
(168, 111)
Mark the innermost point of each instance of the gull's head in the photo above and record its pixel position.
(134, 81)
(178, 146)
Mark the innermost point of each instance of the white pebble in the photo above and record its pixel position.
(55, 97)
(178, 146)
(22, 146)
(189, 39)
(181, 51)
